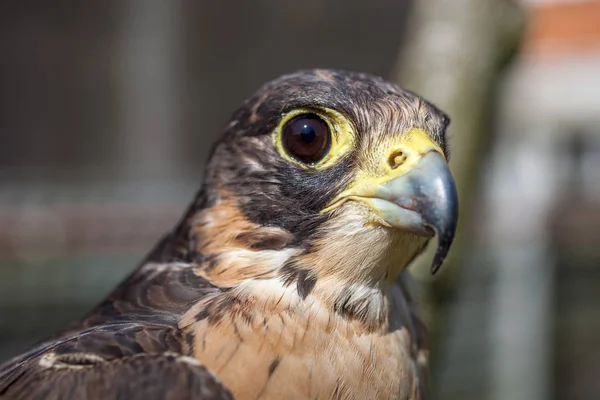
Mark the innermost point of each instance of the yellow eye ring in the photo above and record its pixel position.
(341, 137)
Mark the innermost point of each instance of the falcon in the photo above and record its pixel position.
(286, 277)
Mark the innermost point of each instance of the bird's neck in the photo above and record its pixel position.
(347, 270)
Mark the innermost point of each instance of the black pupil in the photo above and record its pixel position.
(308, 133)
(306, 137)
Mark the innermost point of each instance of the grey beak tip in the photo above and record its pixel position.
(438, 260)
(445, 233)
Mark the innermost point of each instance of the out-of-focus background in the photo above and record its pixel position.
(108, 110)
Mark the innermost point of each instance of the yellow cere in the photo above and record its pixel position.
(407, 149)
(343, 136)
(416, 142)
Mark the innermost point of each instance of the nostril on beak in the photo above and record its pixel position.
(397, 158)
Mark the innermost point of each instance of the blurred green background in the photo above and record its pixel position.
(108, 110)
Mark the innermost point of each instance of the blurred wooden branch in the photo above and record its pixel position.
(454, 54)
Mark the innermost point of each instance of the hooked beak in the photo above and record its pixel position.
(424, 202)
(420, 198)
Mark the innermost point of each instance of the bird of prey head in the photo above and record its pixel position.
(331, 181)
(279, 279)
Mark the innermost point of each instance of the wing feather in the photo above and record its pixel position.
(88, 376)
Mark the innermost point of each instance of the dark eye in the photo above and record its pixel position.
(306, 137)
